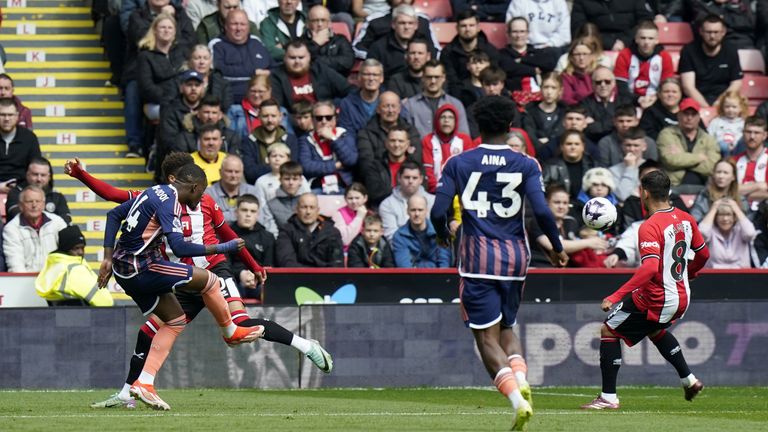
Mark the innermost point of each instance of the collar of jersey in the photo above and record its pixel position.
(495, 146)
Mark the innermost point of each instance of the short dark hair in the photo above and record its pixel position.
(417, 40)
(398, 128)
(191, 173)
(291, 168)
(466, 14)
(211, 100)
(269, 102)
(492, 74)
(356, 187)
(433, 64)
(478, 55)
(554, 188)
(302, 107)
(8, 102)
(625, 110)
(648, 165)
(756, 121)
(208, 127)
(296, 43)
(712, 19)
(646, 25)
(634, 133)
(249, 199)
(518, 18)
(39, 160)
(570, 132)
(173, 161)
(494, 114)
(372, 219)
(6, 76)
(575, 109)
(409, 164)
(657, 184)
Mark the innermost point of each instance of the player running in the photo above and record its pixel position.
(493, 181)
(668, 241)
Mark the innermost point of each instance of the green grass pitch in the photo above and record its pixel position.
(555, 409)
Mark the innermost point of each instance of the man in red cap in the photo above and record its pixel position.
(687, 152)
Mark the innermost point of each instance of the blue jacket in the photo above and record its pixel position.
(411, 253)
(238, 62)
(352, 113)
(237, 122)
(344, 150)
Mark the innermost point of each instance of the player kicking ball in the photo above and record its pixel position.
(672, 250)
(493, 181)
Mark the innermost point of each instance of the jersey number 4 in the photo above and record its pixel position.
(482, 206)
(133, 214)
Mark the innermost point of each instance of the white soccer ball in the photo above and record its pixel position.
(599, 214)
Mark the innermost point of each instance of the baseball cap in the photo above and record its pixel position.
(191, 75)
(689, 103)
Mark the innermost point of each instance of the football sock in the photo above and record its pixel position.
(519, 368)
(507, 384)
(301, 344)
(139, 357)
(147, 378)
(125, 392)
(689, 380)
(610, 362)
(670, 349)
(239, 315)
(216, 304)
(273, 331)
(161, 347)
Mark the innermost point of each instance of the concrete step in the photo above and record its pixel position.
(73, 66)
(75, 108)
(47, 40)
(72, 26)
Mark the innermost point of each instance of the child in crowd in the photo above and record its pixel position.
(259, 242)
(277, 210)
(302, 118)
(728, 126)
(349, 219)
(471, 89)
(370, 249)
(267, 184)
(543, 119)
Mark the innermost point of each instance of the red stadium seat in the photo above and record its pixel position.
(436, 10)
(751, 60)
(445, 32)
(755, 88)
(341, 29)
(675, 34)
(496, 33)
(707, 114)
(688, 199)
(329, 204)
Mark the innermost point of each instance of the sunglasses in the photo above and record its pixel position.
(603, 82)
(325, 117)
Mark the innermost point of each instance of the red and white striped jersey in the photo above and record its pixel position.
(643, 76)
(199, 226)
(751, 171)
(671, 236)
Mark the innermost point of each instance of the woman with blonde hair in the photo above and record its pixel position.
(722, 183)
(200, 60)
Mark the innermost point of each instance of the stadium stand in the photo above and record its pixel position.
(674, 35)
(445, 32)
(751, 60)
(341, 29)
(437, 10)
(496, 33)
(707, 114)
(755, 88)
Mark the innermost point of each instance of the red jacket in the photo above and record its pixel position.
(450, 145)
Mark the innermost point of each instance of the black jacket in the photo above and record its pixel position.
(656, 118)
(254, 152)
(464, 91)
(404, 84)
(21, 150)
(55, 202)
(297, 247)
(326, 82)
(157, 74)
(336, 53)
(170, 128)
(455, 58)
(187, 140)
(616, 19)
(259, 242)
(219, 87)
(360, 255)
(534, 121)
(379, 27)
(519, 66)
(391, 54)
(555, 171)
(738, 17)
(377, 177)
(602, 113)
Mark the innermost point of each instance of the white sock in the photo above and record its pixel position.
(520, 377)
(610, 397)
(125, 392)
(301, 344)
(516, 398)
(688, 381)
(146, 378)
(229, 330)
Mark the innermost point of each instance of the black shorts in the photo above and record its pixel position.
(192, 302)
(630, 324)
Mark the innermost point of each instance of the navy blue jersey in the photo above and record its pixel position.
(492, 182)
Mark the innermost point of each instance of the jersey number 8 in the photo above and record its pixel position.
(482, 206)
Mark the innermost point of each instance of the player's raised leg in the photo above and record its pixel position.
(670, 349)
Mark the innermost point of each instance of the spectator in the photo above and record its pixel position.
(257, 10)
(543, 119)
(267, 184)
(213, 81)
(722, 183)
(570, 166)
(752, 164)
(487, 10)
(333, 50)
(277, 210)
(349, 219)
(238, 54)
(643, 66)
(208, 113)
(709, 68)
(214, 24)
(172, 115)
(378, 26)
(244, 115)
(199, 9)
(664, 111)
(626, 248)
(469, 38)
(301, 118)
(575, 118)
(230, 187)
(308, 239)
(29, 237)
(390, 48)
(268, 132)
(282, 25)
(469, 90)
(422, 107)
(393, 209)
(19, 145)
(523, 62)
(516, 141)
(633, 211)
(407, 83)
(159, 60)
(415, 243)
(728, 126)
(444, 141)
(366, 8)
(370, 249)
(67, 277)
(760, 244)
(24, 118)
(127, 7)
(329, 153)
(688, 152)
(591, 36)
(550, 22)
(210, 157)
(737, 15)
(577, 76)
(626, 173)
(611, 147)
(729, 234)
(615, 19)
(358, 107)
(379, 174)
(601, 104)
(259, 242)
(299, 78)
(39, 173)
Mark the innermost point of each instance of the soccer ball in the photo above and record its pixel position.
(599, 214)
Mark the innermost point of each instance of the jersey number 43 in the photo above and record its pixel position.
(482, 205)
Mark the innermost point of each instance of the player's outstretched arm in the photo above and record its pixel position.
(74, 168)
(181, 248)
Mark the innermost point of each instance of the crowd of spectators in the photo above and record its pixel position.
(289, 105)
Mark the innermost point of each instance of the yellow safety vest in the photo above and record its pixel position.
(68, 277)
